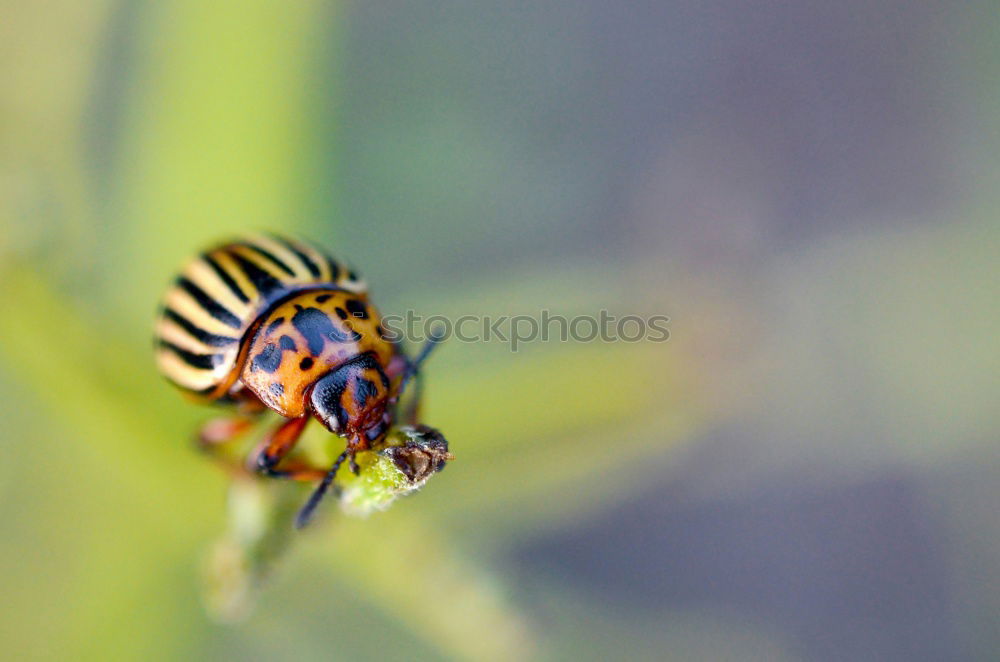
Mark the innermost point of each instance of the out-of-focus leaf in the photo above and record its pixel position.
(404, 564)
(97, 414)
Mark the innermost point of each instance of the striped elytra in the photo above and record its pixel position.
(219, 297)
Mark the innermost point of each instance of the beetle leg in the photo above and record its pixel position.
(410, 414)
(413, 365)
(279, 443)
(299, 471)
(213, 437)
(222, 430)
(398, 365)
(217, 432)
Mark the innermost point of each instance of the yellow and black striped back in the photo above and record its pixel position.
(218, 296)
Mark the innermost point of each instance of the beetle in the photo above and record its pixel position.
(268, 322)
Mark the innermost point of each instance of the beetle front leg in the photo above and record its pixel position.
(298, 471)
(409, 369)
(279, 443)
(398, 368)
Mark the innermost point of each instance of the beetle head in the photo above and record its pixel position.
(351, 400)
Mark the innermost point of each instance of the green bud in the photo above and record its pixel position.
(402, 464)
(261, 511)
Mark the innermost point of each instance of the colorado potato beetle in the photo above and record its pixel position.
(267, 322)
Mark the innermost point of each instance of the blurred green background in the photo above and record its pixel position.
(806, 471)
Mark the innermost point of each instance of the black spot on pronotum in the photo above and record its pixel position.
(268, 360)
(273, 326)
(316, 328)
(323, 298)
(380, 331)
(352, 275)
(276, 390)
(364, 390)
(286, 342)
(354, 337)
(357, 308)
(306, 363)
(341, 313)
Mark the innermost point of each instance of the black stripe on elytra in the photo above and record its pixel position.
(333, 265)
(226, 278)
(211, 306)
(196, 331)
(278, 262)
(303, 258)
(265, 283)
(199, 361)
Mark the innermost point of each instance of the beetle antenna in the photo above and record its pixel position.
(436, 336)
(307, 510)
